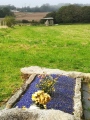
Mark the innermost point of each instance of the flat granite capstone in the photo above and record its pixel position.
(29, 73)
(19, 114)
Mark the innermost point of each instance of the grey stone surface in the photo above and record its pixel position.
(41, 70)
(78, 75)
(19, 114)
(31, 78)
(50, 114)
(14, 98)
(77, 100)
(86, 101)
(18, 94)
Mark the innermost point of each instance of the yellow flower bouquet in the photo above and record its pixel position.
(41, 98)
(46, 86)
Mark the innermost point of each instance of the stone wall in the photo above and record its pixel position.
(28, 73)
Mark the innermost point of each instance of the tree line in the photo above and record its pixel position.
(43, 8)
(65, 14)
(5, 11)
(71, 14)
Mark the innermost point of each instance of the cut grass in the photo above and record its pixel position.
(64, 47)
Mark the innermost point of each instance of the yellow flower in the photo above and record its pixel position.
(24, 108)
(34, 96)
(40, 92)
(41, 97)
(45, 106)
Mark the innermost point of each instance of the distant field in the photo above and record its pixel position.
(30, 16)
(65, 47)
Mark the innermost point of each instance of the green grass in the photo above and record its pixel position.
(65, 47)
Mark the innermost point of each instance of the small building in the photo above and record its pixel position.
(49, 21)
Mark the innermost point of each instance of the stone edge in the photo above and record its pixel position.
(78, 111)
(77, 75)
(19, 93)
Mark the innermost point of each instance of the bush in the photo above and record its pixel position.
(25, 21)
(33, 22)
(10, 21)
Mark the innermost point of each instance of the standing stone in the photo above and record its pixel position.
(51, 22)
(47, 23)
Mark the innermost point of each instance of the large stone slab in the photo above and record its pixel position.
(78, 112)
(19, 114)
(46, 114)
(27, 71)
(78, 75)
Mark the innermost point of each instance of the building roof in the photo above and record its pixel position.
(48, 18)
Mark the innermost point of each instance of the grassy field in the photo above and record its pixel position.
(65, 47)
